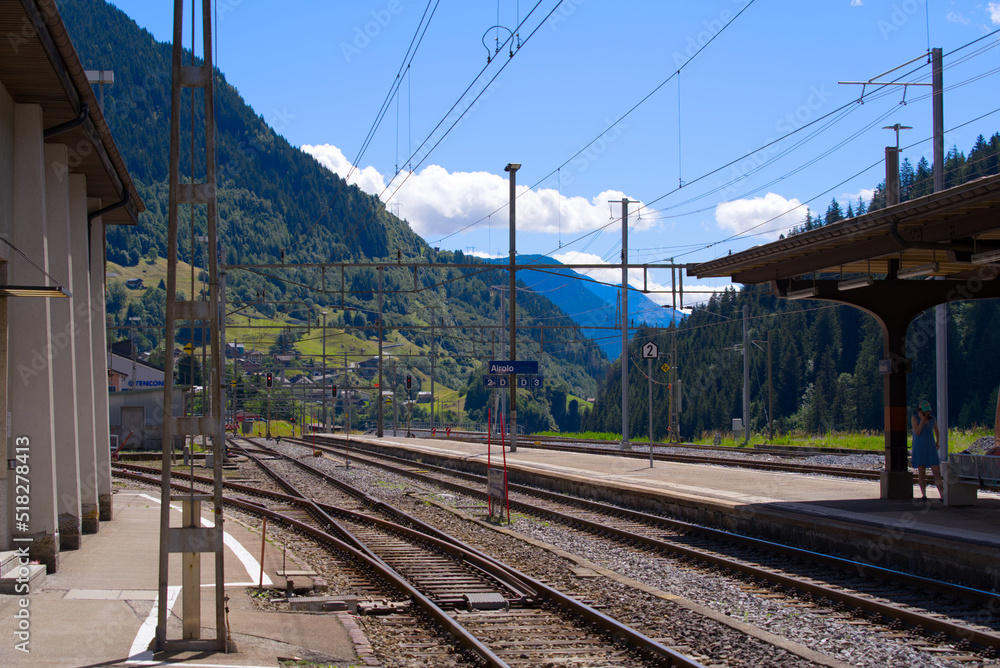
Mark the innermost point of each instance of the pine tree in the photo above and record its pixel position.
(808, 223)
(924, 182)
(954, 168)
(878, 198)
(833, 213)
(979, 162)
(906, 179)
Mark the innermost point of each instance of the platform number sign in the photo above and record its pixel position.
(409, 382)
(650, 351)
(269, 379)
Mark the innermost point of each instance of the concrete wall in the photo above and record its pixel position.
(6, 214)
(54, 387)
(151, 402)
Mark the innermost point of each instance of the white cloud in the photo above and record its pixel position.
(484, 255)
(331, 157)
(437, 202)
(856, 3)
(695, 292)
(865, 194)
(766, 216)
(955, 17)
(994, 10)
(613, 275)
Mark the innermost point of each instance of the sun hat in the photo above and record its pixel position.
(925, 406)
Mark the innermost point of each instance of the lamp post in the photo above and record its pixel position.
(325, 428)
(131, 381)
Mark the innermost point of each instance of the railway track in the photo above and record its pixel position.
(932, 612)
(745, 460)
(497, 615)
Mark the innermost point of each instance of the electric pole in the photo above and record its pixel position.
(746, 376)
(512, 169)
(380, 331)
(625, 444)
(941, 310)
(433, 359)
(770, 391)
(326, 425)
(675, 412)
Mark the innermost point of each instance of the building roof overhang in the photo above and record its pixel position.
(951, 233)
(39, 65)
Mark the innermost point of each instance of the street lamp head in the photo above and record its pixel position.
(512, 167)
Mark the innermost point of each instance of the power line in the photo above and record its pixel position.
(610, 127)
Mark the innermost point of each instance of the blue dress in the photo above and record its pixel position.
(924, 451)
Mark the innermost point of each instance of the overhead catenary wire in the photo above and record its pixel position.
(377, 203)
(979, 76)
(615, 123)
(868, 95)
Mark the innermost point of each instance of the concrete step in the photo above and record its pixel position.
(14, 575)
(8, 561)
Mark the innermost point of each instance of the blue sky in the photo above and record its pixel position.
(319, 70)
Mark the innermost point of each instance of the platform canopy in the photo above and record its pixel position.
(957, 228)
(883, 262)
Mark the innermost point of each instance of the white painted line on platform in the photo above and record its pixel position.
(140, 652)
(251, 565)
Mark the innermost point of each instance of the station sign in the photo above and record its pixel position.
(529, 381)
(513, 366)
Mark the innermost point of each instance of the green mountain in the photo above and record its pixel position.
(278, 204)
(272, 195)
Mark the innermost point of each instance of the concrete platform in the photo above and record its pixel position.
(100, 608)
(839, 515)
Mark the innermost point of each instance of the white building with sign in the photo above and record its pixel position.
(145, 376)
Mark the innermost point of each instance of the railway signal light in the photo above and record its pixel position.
(409, 382)
(269, 381)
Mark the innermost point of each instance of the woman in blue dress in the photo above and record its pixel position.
(925, 448)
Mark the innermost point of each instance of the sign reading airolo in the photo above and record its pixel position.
(513, 366)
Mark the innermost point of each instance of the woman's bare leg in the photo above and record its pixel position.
(936, 470)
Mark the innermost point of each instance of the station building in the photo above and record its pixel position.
(136, 375)
(62, 180)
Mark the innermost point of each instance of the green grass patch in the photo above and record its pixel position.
(152, 273)
(958, 439)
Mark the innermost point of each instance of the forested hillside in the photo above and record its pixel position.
(278, 204)
(824, 366)
(824, 357)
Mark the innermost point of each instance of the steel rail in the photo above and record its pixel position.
(537, 589)
(458, 632)
(566, 446)
(428, 534)
(613, 627)
(983, 639)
